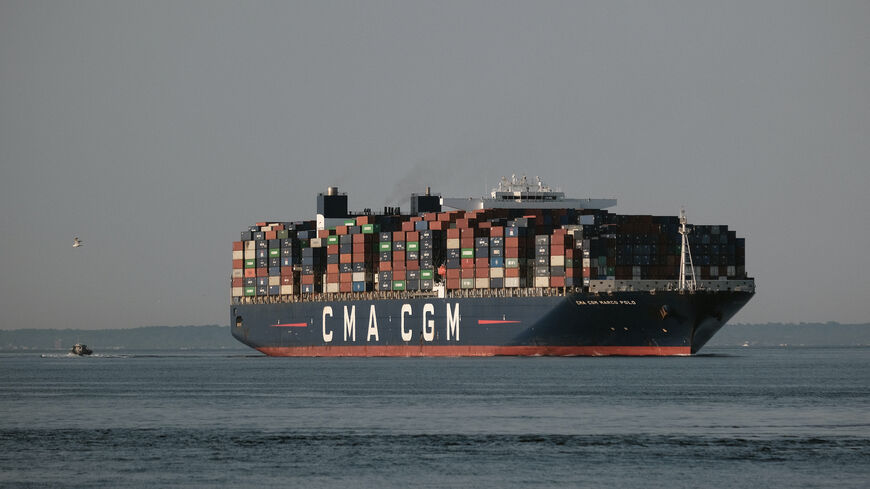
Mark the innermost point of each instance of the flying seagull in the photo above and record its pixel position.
(76, 242)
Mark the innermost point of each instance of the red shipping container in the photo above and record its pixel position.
(481, 272)
(481, 262)
(398, 256)
(359, 238)
(323, 233)
(496, 231)
(569, 252)
(438, 225)
(398, 265)
(466, 233)
(511, 272)
(238, 263)
(398, 235)
(484, 225)
(332, 268)
(385, 266)
(238, 246)
(307, 280)
(345, 277)
(238, 282)
(452, 233)
(359, 257)
(430, 216)
(271, 235)
(412, 236)
(361, 220)
(250, 273)
(345, 286)
(261, 224)
(262, 272)
(412, 265)
(453, 273)
(287, 280)
(332, 249)
(511, 252)
(278, 227)
(399, 275)
(341, 230)
(407, 226)
(571, 272)
(557, 250)
(466, 242)
(511, 242)
(453, 283)
(467, 273)
(332, 278)
(557, 281)
(345, 258)
(466, 262)
(587, 272)
(286, 271)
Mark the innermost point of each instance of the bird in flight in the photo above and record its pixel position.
(76, 242)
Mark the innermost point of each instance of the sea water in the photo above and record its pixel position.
(741, 417)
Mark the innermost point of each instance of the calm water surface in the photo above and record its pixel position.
(751, 417)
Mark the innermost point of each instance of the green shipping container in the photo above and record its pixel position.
(250, 263)
(467, 253)
(369, 228)
(350, 222)
(412, 246)
(398, 285)
(385, 246)
(426, 274)
(273, 253)
(283, 234)
(332, 240)
(512, 263)
(467, 283)
(250, 291)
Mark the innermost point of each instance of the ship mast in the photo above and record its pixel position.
(686, 251)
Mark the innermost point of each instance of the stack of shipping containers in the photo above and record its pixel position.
(483, 249)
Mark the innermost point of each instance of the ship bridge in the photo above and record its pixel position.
(519, 193)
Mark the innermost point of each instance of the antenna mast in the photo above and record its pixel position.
(686, 251)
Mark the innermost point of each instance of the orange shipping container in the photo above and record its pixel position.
(341, 230)
(238, 282)
(238, 246)
(332, 268)
(345, 258)
(250, 272)
(511, 272)
(262, 272)
(239, 264)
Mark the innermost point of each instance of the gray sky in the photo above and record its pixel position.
(158, 130)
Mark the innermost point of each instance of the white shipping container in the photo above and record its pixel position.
(481, 283)
(542, 281)
(316, 243)
(361, 277)
(274, 280)
(496, 272)
(512, 282)
(238, 254)
(331, 288)
(587, 263)
(557, 261)
(238, 273)
(287, 290)
(453, 243)
(250, 254)
(250, 245)
(238, 291)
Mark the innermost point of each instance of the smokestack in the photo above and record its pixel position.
(331, 190)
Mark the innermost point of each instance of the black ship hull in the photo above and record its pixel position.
(621, 323)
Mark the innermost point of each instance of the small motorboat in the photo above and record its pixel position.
(80, 349)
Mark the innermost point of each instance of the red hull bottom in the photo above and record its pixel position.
(471, 351)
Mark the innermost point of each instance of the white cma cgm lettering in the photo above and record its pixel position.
(428, 330)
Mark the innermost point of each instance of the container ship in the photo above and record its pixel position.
(524, 271)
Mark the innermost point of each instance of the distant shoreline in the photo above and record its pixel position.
(217, 337)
